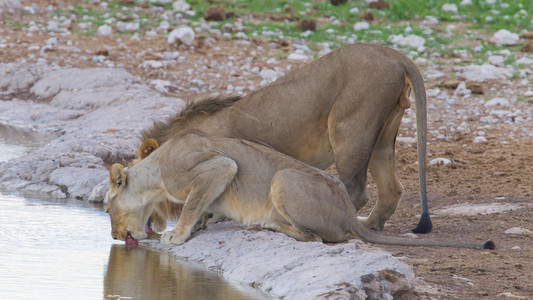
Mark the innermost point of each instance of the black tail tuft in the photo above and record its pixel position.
(489, 245)
(424, 225)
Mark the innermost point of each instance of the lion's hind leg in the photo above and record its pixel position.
(314, 205)
(383, 172)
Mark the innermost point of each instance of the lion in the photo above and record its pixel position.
(250, 183)
(342, 110)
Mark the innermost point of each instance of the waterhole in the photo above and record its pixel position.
(62, 249)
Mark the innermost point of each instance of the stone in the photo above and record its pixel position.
(183, 34)
(484, 72)
(527, 47)
(215, 13)
(413, 41)
(367, 16)
(380, 4)
(180, 5)
(450, 7)
(306, 24)
(505, 38)
(338, 2)
(361, 26)
(104, 30)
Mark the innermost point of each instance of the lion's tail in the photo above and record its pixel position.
(378, 238)
(416, 82)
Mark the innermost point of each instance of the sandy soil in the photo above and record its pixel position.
(497, 170)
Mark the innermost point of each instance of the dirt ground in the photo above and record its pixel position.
(499, 170)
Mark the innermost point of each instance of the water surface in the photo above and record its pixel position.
(62, 249)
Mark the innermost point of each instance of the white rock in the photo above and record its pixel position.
(430, 20)
(288, 269)
(241, 35)
(505, 37)
(449, 7)
(33, 28)
(297, 56)
(480, 140)
(128, 26)
(154, 64)
(79, 181)
(268, 74)
(272, 61)
(466, 2)
(407, 140)
(161, 85)
(488, 120)
(52, 41)
(509, 294)
(10, 6)
(461, 90)
(496, 60)
(104, 30)
(440, 161)
(361, 26)
(517, 231)
(524, 61)
(98, 59)
(183, 34)
(497, 101)
(485, 72)
(411, 40)
(354, 10)
(180, 5)
(163, 26)
(516, 248)
(52, 26)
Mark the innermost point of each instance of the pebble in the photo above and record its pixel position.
(450, 8)
(180, 5)
(497, 101)
(128, 26)
(480, 140)
(104, 30)
(413, 41)
(440, 161)
(297, 56)
(496, 60)
(183, 34)
(505, 38)
(484, 72)
(361, 26)
(518, 231)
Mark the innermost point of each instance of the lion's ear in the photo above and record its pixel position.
(147, 147)
(117, 175)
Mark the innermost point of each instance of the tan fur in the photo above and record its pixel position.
(245, 181)
(164, 210)
(343, 109)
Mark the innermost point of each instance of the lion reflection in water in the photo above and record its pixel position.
(143, 274)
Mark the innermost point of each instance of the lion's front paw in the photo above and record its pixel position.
(173, 238)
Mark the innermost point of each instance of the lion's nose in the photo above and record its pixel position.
(120, 235)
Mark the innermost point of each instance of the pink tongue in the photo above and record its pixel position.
(130, 241)
(147, 229)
